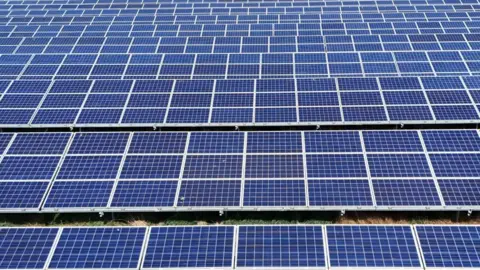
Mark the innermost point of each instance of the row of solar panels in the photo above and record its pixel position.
(309, 10)
(239, 102)
(238, 59)
(369, 170)
(242, 247)
(75, 5)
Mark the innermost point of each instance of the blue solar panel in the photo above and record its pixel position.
(331, 166)
(99, 143)
(25, 248)
(182, 247)
(456, 165)
(372, 246)
(78, 194)
(392, 141)
(274, 193)
(4, 141)
(28, 168)
(460, 192)
(451, 140)
(22, 194)
(339, 193)
(450, 246)
(144, 193)
(280, 246)
(89, 167)
(405, 192)
(99, 248)
(39, 144)
(151, 167)
(216, 142)
(210, 193)
(398, 165)
(158, 143)
(332, 142)
(274, 166)
(218, 166)
(274, 142)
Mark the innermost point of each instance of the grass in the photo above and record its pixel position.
(234, 218)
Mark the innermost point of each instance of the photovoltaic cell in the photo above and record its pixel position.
(405, 192)
(28, 168)
(99, 143)
(210, 193)
(39, 144)
(332, 166)
(460, 192)
(392, 141)
(79, 194)
(372, 246)
(89, 167)
(456, 165)
(144, 193)
(158, 143)
(451, 140)
(339, 192)
(332, 142)
(274, 193)
(450, 246)
(398, 165)
(25, 248)
(151, 167)
(280, 246)
(216, 142)
(218, 166)
(99, 248)
(274, 166)
(274, 142)
(182, 247)
(22, 194)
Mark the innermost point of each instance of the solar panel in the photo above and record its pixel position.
(22, 195)
(330, 192)
(190, 247)
(405, 192)
(372, 246)
(144, 193)
(274, 193)
(79, 194)
(39, 144)
(99, 143)
(99, 248)
(280, 246)
(26, 248)
(209, 193)
(449, 246)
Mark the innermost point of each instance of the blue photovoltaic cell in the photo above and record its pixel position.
(216, 142)
(144, 193)
(4, 141)
(398, 165)
(99, 248)
(99, 143)
(332, 142)
(450, 246)
(89, 167)
(39, 144)
(28, 168)
(274, 142)
(372, 246)
(392, 141)
(460, 192)
(456, 165)
(210, 193)
(405, 192)
(274, 166)
(274, 193)
(182, 247)
(150, 167)
(158, 143)
(328, 166)
(451, 140)
(25, 248)
(219, 166)
(280, 246)
(339, 193)
(71, 194)
(22, 194)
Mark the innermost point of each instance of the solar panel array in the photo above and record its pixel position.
(90, 63)
(192, 171)
(242, 247)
